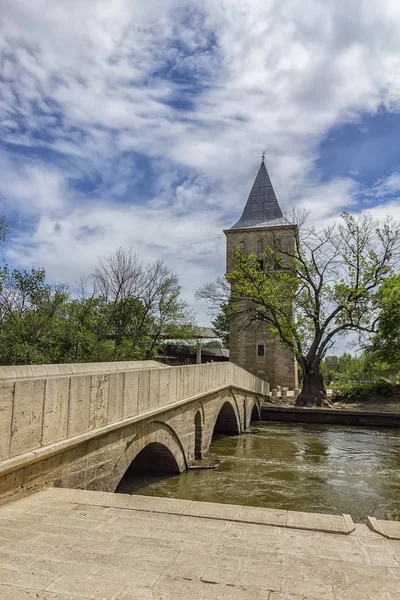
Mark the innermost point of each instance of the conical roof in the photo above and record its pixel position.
(262, 208)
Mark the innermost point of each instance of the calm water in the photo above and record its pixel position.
(315, 468)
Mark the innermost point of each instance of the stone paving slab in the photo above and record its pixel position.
(342, 524)
(389, 529)
(150, 555)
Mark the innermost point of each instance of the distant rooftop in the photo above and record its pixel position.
(262, 208)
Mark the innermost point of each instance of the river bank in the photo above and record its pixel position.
(373, 403)
(293, 466)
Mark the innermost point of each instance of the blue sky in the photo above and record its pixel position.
(142, 124)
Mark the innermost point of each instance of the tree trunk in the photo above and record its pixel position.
(313, 392)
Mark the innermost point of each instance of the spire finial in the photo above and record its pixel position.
(263, 157)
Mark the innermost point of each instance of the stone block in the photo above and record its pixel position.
(39, 371)
(99, 389)
(24, 372)
(213, 510)
(87, 588)
(264, 516)
(55, 414)
(8, 373)
(173, 384)
(152, 503)
(154, 394)
(79, 405)
(6, 408)
(143, 391)
(180, 383)
(53, 370)
(116, 397)
(165, 375)
(26, 429)
(59, 567)
(131, 394)
(389, 529)
(197, 382)
(319, 522)
(189, 381)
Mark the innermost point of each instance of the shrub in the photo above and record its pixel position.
(349, 390)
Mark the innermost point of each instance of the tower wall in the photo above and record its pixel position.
(277, 365)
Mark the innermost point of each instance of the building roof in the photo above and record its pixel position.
(262, 208)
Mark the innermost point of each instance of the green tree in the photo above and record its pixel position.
(127, 315)
(385, 345)
(31, 311)
(144, 306)
(325, 286)
(220, 324)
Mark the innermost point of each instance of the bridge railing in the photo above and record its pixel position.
(44, 404)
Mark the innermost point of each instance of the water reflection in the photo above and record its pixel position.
(313, 468)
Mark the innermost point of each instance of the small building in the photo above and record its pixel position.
(205, 348)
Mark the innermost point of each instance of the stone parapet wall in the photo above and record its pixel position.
(61, 370)
(37, 411)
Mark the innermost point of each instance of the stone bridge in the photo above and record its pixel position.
(85, 425)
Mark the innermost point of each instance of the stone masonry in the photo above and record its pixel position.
(262, 218)
(76, 545)
(81, 429)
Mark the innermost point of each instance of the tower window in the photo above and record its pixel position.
(260, 349)
(260, 264)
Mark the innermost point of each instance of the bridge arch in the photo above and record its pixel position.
(255, 411)
(198, 436)
(155, 448)
(227, 420)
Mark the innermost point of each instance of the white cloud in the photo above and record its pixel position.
(94, 80)
(388, 186)
(30, 187)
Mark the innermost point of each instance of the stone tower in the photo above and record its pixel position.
(252, 348)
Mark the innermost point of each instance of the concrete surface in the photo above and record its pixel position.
(73, 545)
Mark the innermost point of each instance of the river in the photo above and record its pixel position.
(312, 468)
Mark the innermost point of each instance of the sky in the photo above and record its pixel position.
(142, 124)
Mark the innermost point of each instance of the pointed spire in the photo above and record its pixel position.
(262, 208)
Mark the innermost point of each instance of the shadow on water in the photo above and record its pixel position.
(313, 468)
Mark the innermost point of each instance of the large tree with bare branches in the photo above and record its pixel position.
(310, 292)
(144, 305)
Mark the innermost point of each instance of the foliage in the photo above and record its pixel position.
(348, 390)
(309, 290)
(4, 229)
(385, 345)
(129, 312)
(351, 368)
(221, 325)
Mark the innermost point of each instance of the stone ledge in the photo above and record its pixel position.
(338, 524)
(26, 372)
(388, 529)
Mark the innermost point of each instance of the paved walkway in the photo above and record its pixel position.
(70, 545)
